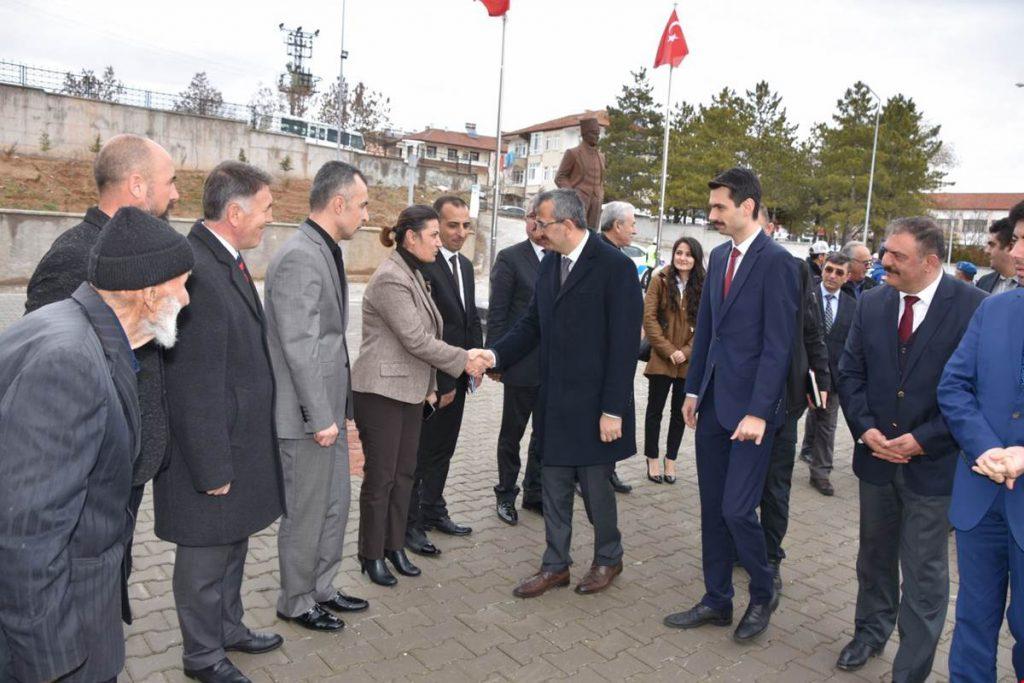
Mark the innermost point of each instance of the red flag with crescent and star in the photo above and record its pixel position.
(672, 47)
(496, 8)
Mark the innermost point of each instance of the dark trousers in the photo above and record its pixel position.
(515, 413)
(777, 485)
(989, 560)
(731, 476)
(658, 387)
(134, 501)
(390, 432)
(433, 458)
(820, 438)
(208, 596)
(902, 531)
(558, 487)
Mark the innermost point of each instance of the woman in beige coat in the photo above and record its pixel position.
(393, 385)
(670, 314)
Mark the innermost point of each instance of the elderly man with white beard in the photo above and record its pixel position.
(69, 415)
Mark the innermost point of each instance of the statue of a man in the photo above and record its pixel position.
(582, 169)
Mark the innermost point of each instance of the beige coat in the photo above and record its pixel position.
(677, 335)
(402, 337)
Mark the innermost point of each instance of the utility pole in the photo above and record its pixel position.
(298, 84)
(342, 99)
(874, 153)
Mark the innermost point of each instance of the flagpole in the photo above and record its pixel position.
(497, 151)
(664, 164)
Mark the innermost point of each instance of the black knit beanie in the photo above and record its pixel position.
(136, 250)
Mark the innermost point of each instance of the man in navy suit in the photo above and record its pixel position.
(835, 308)
(737, 381)
(901, 337)
(585, 316)
(982, 398)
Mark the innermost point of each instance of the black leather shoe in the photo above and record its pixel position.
(806, 457)
(656, 478)
(221, 672)
(507, 513)
(537, 507)
(257, 643)
(776, 577)
(700, 615)
(755, 619)
(344, 603)
(619, 485)
(446, 526)
(421, 545)
(315, 619)
(378, 572)
(669, 478)
(823, 486)
(855, 655)
(402, 563)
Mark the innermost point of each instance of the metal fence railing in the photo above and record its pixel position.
(68, 83)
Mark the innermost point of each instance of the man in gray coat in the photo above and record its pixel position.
(69, 415)
(307, 317)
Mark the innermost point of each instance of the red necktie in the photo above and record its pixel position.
(730, 271)
(907, 319)
(241, 267)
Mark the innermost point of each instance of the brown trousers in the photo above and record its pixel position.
(390, 433)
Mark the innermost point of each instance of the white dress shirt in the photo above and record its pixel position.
(538, 250)
(924, 302)
(835, 301)
(227, 245)
(743, 247)
(574, 255)
(457, 272)
(1004, 284)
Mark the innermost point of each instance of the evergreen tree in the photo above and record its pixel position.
(632, 145)
(200, 97)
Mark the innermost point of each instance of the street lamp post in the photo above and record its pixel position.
(341, 77)
(871, 175)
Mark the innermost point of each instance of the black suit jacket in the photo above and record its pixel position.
(844, 307)
(588, 331)
(809, 350)
(70, 426)
(988, 281)
(875, 393)
(866, 284)
(462, 327)
(220, 391)
(513, 278)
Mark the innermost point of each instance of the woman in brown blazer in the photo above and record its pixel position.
(670, 314)
(392, 379)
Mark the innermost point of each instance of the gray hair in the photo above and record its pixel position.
(334, 177)
(848, 248)
(121, 156)
(231, 181)
(568, 206)
(926, 232)
(615, 211)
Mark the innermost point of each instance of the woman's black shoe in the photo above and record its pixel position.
(656, 478)
(402, 563)
(669, 478)
(378, 572)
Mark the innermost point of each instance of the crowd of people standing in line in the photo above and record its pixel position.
(146, 355)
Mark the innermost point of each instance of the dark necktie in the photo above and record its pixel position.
(906, 329)
(566, 264)
(730, 271)
(241, 267)
(454, 260)
(829, 314)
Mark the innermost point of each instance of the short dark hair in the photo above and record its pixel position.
(1017, 213)
(838, 258)
(334, 177)
(231, 181)
(413, 218)
(743, 185)
(444, 200)
(568, 206)
(926, 232)
(1003, 231)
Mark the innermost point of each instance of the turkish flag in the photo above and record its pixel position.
(496, 8)
(672, 47)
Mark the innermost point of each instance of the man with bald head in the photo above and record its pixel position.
(130, 170)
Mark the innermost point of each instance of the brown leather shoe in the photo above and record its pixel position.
(598, 578)
(539, 583)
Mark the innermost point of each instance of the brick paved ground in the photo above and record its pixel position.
(459, 621)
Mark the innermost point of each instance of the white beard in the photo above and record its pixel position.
(165, 328)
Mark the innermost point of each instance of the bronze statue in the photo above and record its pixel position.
(582, 169)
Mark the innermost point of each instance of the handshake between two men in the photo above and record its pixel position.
(479, 362)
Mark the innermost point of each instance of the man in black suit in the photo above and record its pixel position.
(513, 277)
(899, 342)
(223, 481)
(71, 431)
(835, 308)
(584, 316)
(130, 170)
(1003, 277)
(451, 282)
(859, 280)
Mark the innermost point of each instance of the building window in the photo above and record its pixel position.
(533, 172)
(521, 149)
(535, 142)
(431, 152)
(474, 156)
(547, 173)
(517, 176)
(453, 154)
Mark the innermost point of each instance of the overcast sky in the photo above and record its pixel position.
(438, 59)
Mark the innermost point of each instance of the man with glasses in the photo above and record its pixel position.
(861, 264)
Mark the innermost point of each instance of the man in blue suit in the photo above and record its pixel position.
(982, 398)
(901, 337)
(585, 316)
(737, 381)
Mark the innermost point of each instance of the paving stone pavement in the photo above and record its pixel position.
(460, 622)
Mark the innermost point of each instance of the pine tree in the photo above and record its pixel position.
(632, 145)
(200, 97)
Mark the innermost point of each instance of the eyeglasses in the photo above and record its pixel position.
(542, 225)
(834, 271)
